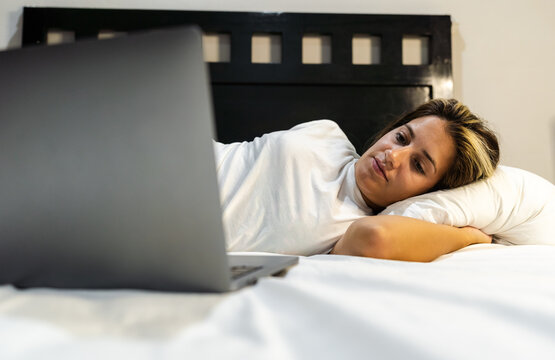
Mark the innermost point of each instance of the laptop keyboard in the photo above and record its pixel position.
(242, 270)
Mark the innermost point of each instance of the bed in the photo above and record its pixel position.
(484, 301)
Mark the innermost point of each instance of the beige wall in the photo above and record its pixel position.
(503, 57)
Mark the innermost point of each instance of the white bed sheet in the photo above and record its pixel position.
(485, 301)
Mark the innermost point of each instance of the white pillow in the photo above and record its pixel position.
(514, 205)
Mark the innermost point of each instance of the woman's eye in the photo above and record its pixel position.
(401, 138)
(419, 167)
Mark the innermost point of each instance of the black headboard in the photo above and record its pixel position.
(251, 99)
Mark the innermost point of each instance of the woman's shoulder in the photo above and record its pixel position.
(324, 132)
(316, 139)
(322, 127)
(312, 137)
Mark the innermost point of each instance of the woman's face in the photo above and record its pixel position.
(405, 162)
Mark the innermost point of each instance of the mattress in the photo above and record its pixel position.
(484, 301)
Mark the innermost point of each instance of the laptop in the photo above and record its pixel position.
(107, 170)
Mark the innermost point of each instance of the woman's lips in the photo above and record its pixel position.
(377, 168)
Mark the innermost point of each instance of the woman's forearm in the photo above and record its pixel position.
(403, 238)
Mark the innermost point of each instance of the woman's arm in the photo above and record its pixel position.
(402, 238)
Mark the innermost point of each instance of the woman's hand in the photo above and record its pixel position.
(402, 238)
(477, 236)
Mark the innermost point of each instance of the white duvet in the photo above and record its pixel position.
(482, 302)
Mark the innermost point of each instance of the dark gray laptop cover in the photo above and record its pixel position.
(97, 186)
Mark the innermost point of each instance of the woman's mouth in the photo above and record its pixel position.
(378, 169)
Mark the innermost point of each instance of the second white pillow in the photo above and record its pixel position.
(514, 205)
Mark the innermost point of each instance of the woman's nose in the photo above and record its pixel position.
(395, 157)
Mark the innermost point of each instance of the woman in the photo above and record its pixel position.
(439, 145)
(306, 191)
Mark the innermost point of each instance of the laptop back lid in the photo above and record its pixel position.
(107, 174)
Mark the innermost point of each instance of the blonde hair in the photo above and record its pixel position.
(476, 146)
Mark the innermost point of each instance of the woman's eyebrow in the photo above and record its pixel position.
(426, 154)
